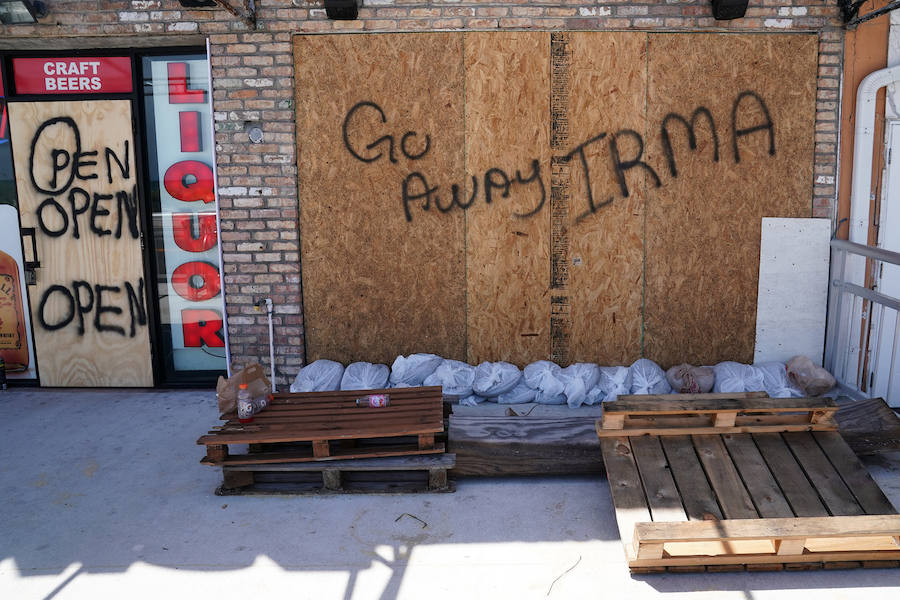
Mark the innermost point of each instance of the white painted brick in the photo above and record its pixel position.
(143, 27)
(377, 2)
(317, 13)
(233, 191)
(256, 83)
(778, 23)
(133, 17)
(220, 116)
(595, 11)
(183, 26)
(144, 4)
(825, 180)
(261, 191)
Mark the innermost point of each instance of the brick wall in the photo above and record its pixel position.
(253, 83)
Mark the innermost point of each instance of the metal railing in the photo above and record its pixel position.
(857, 352)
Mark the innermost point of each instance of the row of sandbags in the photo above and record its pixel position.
(546, 382)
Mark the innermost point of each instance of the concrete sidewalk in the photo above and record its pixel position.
(104, 497)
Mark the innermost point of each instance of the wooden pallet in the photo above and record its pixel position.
(318, 426)
(748, 494)
(406, 474)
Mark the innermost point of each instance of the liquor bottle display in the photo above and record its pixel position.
(13, 343)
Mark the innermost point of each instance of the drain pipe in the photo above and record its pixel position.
(863, 148)
(271, 342)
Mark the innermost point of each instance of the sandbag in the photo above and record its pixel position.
(521, 394)
(471, 400)
(579, 378)
(413, 370)
(495, 378)
(319, 376)
(647, 377)
(812, 379)
(776, 381)
(365, 376)
(614, 381)
(455, 377)
(734, 377)
(594, 395)
(543, 376)
(688, 379)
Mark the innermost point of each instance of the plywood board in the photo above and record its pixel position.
(377, 283)
(89, 304)
(793, 289)
(702, 233)
(508, 240)
(607, 91)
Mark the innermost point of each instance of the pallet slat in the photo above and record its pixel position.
(761, 484)
(698, 497)
(659, 486)
(828, 483)
(724, 478)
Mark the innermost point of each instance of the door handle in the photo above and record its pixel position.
(31, 265)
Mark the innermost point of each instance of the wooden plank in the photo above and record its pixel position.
(491, 446)
(870, 426)
(797, 489)
(289, 435)
(724, 478)
(367, 271)
(762, 486)
(691, 397)
(625, 487)
(711, 267)
(777, 528)
(751, 560)
(87, 330)
(300, 456)
(421, 392)
(507, 106)
(659, 486)
(704, 403)
(400, 463)
(699, 430)
(828, 483)
(861, 485)
(604, 271)
(696, 494)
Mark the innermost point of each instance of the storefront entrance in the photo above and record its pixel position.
(113, 180)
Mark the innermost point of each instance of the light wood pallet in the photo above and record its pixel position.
(741, 481)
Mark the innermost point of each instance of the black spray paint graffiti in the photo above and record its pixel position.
(56, 217)
(81, 298)
(415, 186)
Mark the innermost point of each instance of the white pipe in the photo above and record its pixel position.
(271, 342)
(863, 148)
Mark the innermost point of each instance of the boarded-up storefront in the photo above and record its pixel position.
(579, 196)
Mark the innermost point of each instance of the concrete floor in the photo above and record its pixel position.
(104, 497)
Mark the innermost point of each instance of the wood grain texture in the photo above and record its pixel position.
(724, 477)
(703, 226)
(98, 357)
(656, 476)
(797, 489)
(508, 256)
(626, 489)
(374, 284)
(696, 494)
(608, 87)
(828, 483)
(761, 484)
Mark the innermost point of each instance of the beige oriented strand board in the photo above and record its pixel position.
(90, 349)
(508, 264)
(607, 84)
(374, 284)
(703, 227)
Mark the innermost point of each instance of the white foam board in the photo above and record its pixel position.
(793, 289)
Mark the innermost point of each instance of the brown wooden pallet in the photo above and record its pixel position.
(329, 426)
(404, 474)
(759, 498)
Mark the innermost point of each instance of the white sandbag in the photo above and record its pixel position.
(319, 376)
(589, 373)
(493, 379)
(521, 394)
(594, 396)
(776, 380)
(365, 376)
(471, 400)
(413, 370)
(544, 377)
(454, 376)
(732, 377)
(614, 381)
(647, 377)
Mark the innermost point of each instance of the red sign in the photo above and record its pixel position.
(82, 75)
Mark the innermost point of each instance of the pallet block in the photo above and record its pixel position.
(780, 490)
